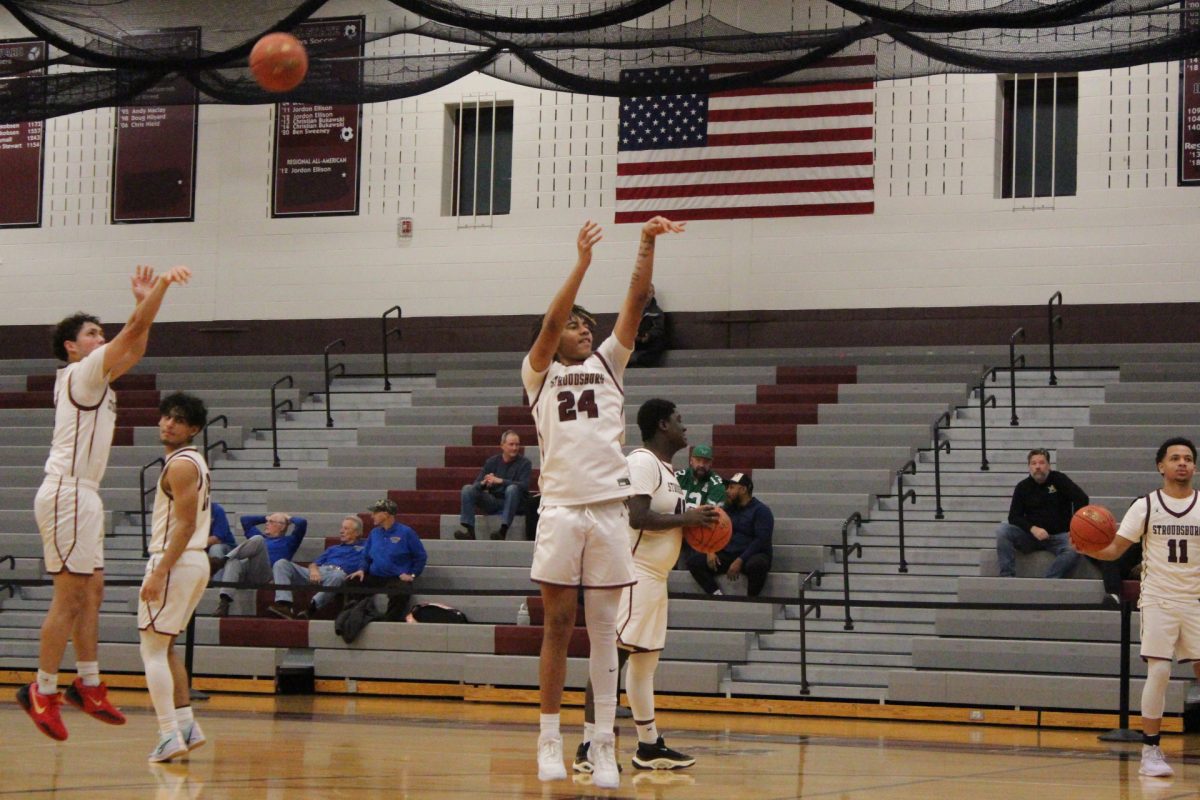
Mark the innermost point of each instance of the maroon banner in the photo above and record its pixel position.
(317, 156)
(21, 143)
(1189, 105)
(154, 157)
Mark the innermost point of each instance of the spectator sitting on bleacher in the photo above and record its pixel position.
(749, 548)
(329, 569)
(252, 559)
(220, 541)
(501, 486)
(701, 486)
(1039, 518)
(652, 337)
(393, 558)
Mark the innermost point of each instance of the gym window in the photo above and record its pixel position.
(1040, 138)
(480, 159)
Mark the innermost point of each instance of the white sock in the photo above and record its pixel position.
(184, 717)
(589, 730)
(47, 683)
(89, 672)
(648, 733)
(550, 726)
(159, 680)
(639, 685)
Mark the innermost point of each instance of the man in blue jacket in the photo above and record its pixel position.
(393, 559)
(278, 538)
(330, 569)
(220, 541)
(749, 549)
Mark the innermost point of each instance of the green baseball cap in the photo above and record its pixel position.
(702, 451)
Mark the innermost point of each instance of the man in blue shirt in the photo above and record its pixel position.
(393, 558)
(328, 569)
(501, 486)
(278, 538)
(749, 549)
(220, 541)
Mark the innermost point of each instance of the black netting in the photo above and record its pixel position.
(101, 53)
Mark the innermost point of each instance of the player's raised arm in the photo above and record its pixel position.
(128, 346)
(544, 347)
(639, 284)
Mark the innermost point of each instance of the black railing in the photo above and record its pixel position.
(908, 469)
(1013, 358)
(1056, 321)
(814, 578)
(985, 400)
(12, 564)
(856, 520)
(329, 375)
(160, 461)
(387, 332)
(938, 445)
(224, 420)
(275, 408)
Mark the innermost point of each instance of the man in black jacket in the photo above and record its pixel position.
(652, 337)
(1039, 518)
(749, 549)
(501, 486)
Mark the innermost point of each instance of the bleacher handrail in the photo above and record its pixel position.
(160, 461)
(1012, 372)
(908, 469)
(1055, 320)
(387, 381)
(291, 382)
(328, 376)
(813, 577)
(225, 424)
(855, 519)
(12, 565)
(938, 444)
(985, 400)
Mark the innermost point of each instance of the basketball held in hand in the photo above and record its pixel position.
(1092, 528)
(710, 540)
(279, 62)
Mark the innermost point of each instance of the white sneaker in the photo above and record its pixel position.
(193, 736)
(604, 762)
(169, 746)
(1153, 762)
(550, 759)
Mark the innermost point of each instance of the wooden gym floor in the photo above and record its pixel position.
(335, 747)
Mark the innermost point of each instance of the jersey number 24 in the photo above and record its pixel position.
(569, 408)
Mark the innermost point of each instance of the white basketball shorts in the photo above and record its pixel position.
(642, 613)
(70, 517)
(185, 586)
(586, 545)
(1170, 630)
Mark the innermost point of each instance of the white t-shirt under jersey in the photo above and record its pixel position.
(165, 518)
(1171, 549)
(579, 412)
(85, 416)
(655, 552)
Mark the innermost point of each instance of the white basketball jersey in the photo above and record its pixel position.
(1170, 547)
(656, 552)
(579, 412)
(165, 518)
(85, 416)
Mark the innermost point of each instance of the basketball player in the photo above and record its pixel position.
(577, 399)
(657, 514)
(1166, 521)
(176, 573)
(69, 513)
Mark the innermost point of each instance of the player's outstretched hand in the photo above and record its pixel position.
(180, 275)
(589, 235)
(141, 282)
(659, 225)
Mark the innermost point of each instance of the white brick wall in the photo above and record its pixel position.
(939, 235)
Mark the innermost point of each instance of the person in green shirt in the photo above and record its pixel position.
(701, 486)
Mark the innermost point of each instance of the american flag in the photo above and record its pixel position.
(771, 151)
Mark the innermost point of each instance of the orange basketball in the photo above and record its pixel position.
(279, 62)
(710, 540)
(1092, 528)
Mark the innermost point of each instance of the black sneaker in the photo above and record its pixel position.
(500, 534)
(582, 762)
(223, 605)
(659, 756)
(464, 533)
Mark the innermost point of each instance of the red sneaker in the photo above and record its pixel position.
(93, 701)
(43, 710)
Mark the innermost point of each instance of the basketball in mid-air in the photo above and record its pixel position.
(710, 540)
(279, 62)
(1092, 528)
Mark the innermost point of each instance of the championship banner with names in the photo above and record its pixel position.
(154, 155)
(1189, 105)
(317, 155)
(22, 144)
